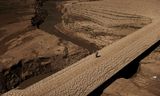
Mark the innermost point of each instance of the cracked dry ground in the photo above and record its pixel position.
(72, 30)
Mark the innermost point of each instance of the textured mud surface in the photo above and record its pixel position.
(145, 82)
(69, 30)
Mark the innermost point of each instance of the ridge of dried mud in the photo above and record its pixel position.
(144, 83)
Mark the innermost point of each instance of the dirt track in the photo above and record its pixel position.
(72, 30)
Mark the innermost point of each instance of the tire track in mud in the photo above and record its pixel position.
(55, 17)
(58, 11)
(91, 47)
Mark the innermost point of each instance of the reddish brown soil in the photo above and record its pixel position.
(72, 30)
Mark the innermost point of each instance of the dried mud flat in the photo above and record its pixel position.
(72, 30)
(144, 83)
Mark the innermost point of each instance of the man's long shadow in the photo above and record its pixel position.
(127, 72)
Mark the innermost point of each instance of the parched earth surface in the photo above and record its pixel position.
(144, 83)
(72, 29)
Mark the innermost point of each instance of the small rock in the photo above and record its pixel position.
(154, 77)
(98, 54)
